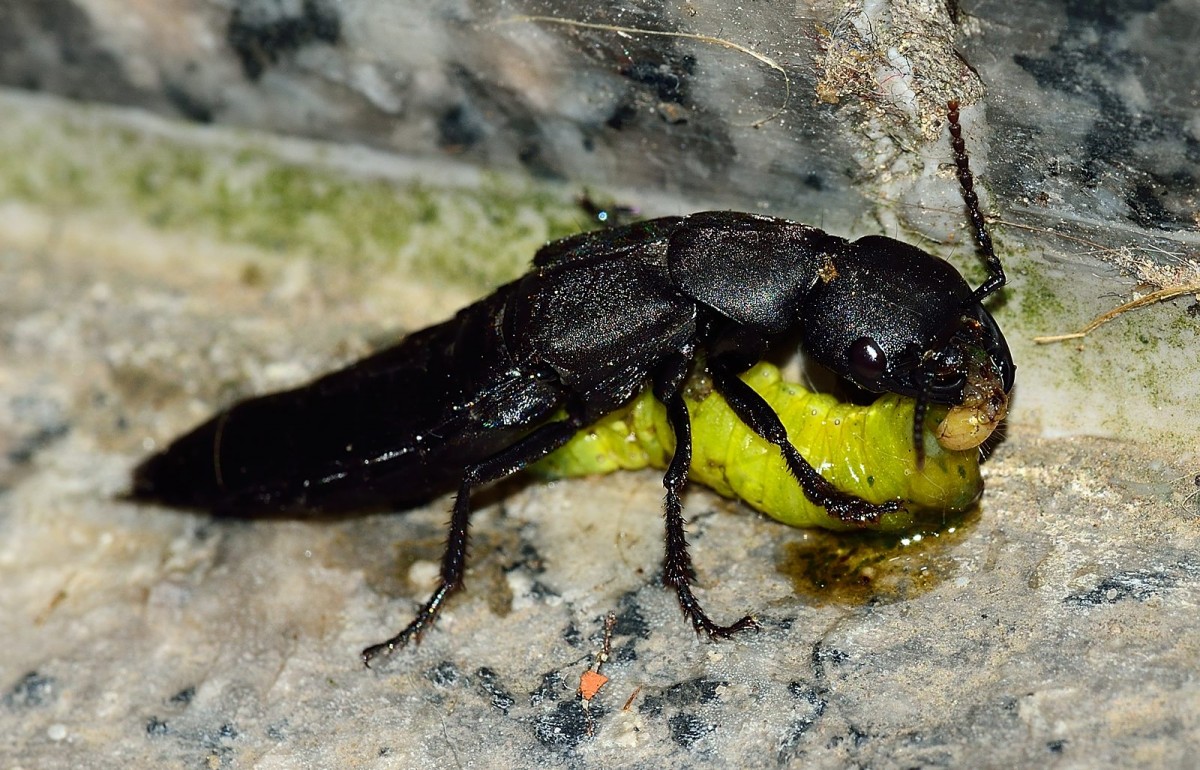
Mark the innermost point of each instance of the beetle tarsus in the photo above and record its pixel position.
(530, 449)
(703, 624)
(413, 631)
(758, 415)
(855, 510)
(678, 573)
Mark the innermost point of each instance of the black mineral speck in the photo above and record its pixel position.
(530, 558)
(1145, 201)
(563, 728)
(1138, 585)
(184, 696)
(539, 590)
(191, 106)
(630, 621)
(551, 688)
(572, 635)
(823, 656)
(809, 708)
(622, 114)
(624, 653)
(689, 693)
(53, 45)
(489, 684)
(811, 701)
(686, 729)
(262, 31)
(444, 674)
(27, 446)
(30, 691)
(156, 727)
(459, 129)
(668, 79)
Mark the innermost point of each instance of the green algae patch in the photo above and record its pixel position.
(87, 160)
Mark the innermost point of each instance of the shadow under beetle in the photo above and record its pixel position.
(600, 316)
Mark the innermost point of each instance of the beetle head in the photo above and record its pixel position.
(893, 319)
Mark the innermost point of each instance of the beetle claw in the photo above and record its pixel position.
(705, 625)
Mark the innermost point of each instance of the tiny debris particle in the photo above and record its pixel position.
(632, 696)
(56, 731)
(34, 689)
(590, 683)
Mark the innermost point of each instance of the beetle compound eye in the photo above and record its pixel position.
(867, 361)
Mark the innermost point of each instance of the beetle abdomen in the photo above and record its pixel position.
(393, 430)
(864, 450)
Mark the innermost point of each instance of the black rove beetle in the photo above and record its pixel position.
(600, 316)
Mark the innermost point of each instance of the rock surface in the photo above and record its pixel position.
(151, 273)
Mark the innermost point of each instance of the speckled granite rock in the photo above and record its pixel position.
(150, 272)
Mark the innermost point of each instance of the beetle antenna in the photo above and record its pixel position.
(983, 239)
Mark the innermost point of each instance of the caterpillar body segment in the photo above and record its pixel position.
(864, 450)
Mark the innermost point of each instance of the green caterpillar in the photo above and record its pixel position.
(865, 450)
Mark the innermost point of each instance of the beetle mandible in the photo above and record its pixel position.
(601, 315)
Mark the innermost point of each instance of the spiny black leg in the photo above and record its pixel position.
(533, 447)
(454, 559)
(758, 415)
(966, 180)
(678, 571)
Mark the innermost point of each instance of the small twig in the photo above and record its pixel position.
(1162, 295)
(1049, 231)
(629, 702)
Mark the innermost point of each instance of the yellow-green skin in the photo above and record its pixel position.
(864, 450)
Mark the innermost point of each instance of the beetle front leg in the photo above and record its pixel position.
(533, 447)
(758, 415)
(678, 571)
